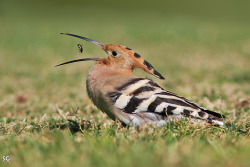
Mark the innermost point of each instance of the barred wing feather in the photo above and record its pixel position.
(143, 95)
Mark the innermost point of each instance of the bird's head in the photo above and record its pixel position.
(119, 58)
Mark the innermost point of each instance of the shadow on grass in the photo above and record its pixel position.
(72, 125)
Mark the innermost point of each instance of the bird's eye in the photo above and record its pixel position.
(114, 53)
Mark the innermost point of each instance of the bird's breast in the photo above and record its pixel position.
(96, 79)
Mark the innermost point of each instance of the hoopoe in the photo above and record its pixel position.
(133, 100)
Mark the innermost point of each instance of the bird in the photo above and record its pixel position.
(137, 101)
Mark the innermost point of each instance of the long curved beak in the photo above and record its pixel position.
(85, 59)
(73, 61)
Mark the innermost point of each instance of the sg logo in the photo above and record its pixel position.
(6, 158)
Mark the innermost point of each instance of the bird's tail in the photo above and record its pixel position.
(217, 119)
(214, 118)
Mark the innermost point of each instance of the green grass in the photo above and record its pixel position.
(46, 118)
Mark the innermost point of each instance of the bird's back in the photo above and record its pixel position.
(136, 101)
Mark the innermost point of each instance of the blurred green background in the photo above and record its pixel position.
(201, 47)
(187, 41)
(159, 30)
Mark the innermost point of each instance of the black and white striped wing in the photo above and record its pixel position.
(143, 95)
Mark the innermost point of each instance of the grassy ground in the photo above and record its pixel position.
(46, 118)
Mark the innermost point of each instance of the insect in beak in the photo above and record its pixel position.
(80, 48)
